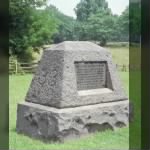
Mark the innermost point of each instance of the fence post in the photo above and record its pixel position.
(16, 67)
(117, 66)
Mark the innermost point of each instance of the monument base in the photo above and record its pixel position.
(52, 124)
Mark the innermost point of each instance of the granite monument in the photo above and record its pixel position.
(75, 91)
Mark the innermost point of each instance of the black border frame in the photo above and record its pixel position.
(4, 75)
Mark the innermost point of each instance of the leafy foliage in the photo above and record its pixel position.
(97, 22)
(123, 25)
(100, 28)
(29, 26)
(88, 7)
(65, 25)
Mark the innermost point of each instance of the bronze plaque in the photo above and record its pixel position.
(90, 75)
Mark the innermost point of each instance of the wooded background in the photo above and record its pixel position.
(34, 23)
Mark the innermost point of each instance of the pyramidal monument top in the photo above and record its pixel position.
(77, 46)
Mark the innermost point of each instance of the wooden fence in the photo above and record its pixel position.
(22, 67)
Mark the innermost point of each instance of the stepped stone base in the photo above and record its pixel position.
(53, 124)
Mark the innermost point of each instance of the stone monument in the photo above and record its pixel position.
(75, 91)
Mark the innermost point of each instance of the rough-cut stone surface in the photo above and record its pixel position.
(75, 91)
(49, 123)
(55, 82)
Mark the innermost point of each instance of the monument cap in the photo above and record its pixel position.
(75, 73)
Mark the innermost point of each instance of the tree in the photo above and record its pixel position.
(65, 25)
(42, 28)
(122, 25)
(100, 27)
(95, 19)
(81, 31)
(29, 26)
(88, 7)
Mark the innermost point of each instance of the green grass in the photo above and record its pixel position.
(120, 55)
(135, 98)
(105, 140)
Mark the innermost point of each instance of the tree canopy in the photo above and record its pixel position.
(65, 25)
(29, 26)
(88, 7)
(33, 23)
(99, 24)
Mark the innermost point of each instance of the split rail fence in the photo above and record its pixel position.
(23, 68)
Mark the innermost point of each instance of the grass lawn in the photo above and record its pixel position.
(105, 140)
(120, 55)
